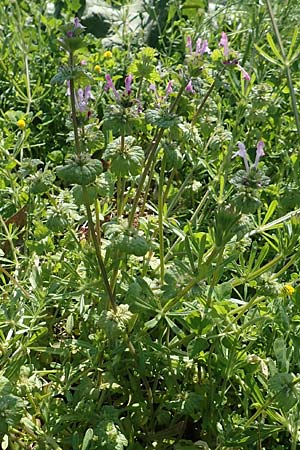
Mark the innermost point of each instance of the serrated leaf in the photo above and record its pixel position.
(5, 386)
(161, 118)
(196, 346)
(64, 74)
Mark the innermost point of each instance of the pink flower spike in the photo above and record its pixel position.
(110, 85)
(68, 88)
(204, 47)
(88, 93)
(189, 44)
(169, 88)
(224, 44)
(242, 152)
(198, 46)
(77, 24)
(259, 152)
(82, 98)
(245, 74)
(109, 82)
(189, 87)
(128, 81)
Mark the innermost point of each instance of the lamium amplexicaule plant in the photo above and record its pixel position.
(154, 300)
(131, 159)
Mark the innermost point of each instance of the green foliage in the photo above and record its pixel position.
(80, 170)
(125, 157)
(144, 65)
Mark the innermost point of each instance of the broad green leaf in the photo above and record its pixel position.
(70, 324)
(87, 438)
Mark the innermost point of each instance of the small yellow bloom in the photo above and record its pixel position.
(107, 54)
(21, 124)
(97, 68)
(287, 290)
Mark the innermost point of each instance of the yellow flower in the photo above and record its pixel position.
(107, 54)
(21, 124)
(97, 68)
(287, 290)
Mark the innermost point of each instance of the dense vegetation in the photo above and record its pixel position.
(149, 225)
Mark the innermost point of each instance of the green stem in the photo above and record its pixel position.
(287, 68)
(150, 157)
(191, 284)
(257, 272)
(100, 261)
(169, 184)
(101, 265)
(160, 219)
(204, 100)
(147, 189)
(73, 106)
(15, 282)
(28, 89)
(9, 239)
(266, 404)
(120, 183)
(140, 88)
(215, 279)
(97, 217)
(143, 176)
(174, 202)
(192, 222)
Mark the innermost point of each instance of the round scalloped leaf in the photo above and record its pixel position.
(57, 223)
(161, 118)
(138, 246)
(91, 194)
(81, 170)
(124, 161)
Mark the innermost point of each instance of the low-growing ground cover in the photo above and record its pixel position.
(149, 225)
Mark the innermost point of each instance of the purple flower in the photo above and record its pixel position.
(169, 88)
(152, 87)
(110, 85)
(189, 44)
(204, 47)
(201, 47)
(242, 152)
(224, 43)
(77, 24)
(82, 98)
(189, 87)
(198, 46)
(259, 152)
(245, 74)
(128, 81)
(68, 88)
